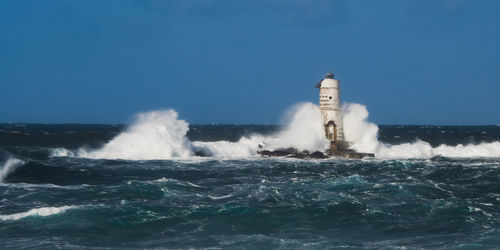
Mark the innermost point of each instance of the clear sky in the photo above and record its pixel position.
(240, 62)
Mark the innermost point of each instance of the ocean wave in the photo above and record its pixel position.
(303, 131)
(61, 152)
(161, 135)
(153, 135)
(9, 166)
(183, 183)
(363, 135)
(42, 211)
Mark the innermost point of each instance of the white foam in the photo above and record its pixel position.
(245, 147)
(161, 135)
(220, 197)
(8, 167)
(363, 135)
(61, 152)
(357, 129)
(303, 130)
(43, 211)
(153, 135)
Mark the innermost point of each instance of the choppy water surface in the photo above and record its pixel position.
(50, 200)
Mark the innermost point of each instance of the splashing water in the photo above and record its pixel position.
(8, 167)
(358, 130)
(363, 135)
(153, 135)
(161, 135)
(303, 131)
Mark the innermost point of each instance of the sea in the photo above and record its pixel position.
(161, 183)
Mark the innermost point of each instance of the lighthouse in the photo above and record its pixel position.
(329, 104)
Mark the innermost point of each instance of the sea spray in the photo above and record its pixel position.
(245, 147)
(161, 135)
(303, 130)
(153, 135)
(9, 166)
(363, 136)
(358, 130)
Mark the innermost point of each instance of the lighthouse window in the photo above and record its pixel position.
(330, 97)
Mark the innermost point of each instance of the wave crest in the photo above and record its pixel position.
(153, 135)
(9, 166)
(43, 211)
(363, 135)
(161, 135)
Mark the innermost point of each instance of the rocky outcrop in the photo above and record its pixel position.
(293, 153)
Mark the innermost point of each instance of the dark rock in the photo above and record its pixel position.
(292, 153)
(200, 153)
(318, 155)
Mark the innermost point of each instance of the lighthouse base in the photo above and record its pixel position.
(341, 149)
(337, 149)
(351, 154)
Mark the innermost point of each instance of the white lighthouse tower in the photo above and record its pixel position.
(329, 104)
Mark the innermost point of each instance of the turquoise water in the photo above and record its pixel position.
(72, 202)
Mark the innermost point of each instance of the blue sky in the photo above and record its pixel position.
(240, 62)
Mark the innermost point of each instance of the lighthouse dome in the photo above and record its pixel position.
(329, 83)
